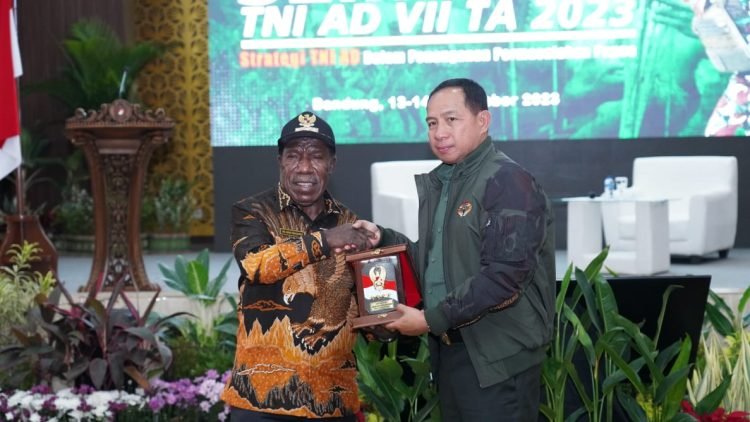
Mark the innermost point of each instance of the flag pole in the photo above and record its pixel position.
(20, 197)
(20, 227)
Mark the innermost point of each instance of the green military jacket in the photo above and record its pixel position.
(499, 262)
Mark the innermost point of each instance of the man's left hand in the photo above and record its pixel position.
(411, 322)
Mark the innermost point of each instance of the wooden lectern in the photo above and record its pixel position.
(118, 141)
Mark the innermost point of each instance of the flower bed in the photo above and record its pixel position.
(185, 399)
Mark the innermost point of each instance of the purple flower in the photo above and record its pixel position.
(225, 414)
(170, 399)
(49, 404)
(205, 406)
(83, 390)
(41, 389)
(156, 403)
(116, 407)
(84, 407)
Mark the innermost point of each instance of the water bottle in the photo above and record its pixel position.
(609, 186)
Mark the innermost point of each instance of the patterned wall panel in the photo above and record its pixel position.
(178, 82)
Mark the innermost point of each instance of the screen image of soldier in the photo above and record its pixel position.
(378, 284)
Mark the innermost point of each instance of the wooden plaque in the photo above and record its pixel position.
(383, 277)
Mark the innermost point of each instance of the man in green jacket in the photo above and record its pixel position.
(486, 261)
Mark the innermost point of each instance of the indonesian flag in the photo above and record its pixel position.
(10, 69)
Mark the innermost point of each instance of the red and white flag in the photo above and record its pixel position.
(10, 69)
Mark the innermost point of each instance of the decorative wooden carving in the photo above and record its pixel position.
(118, 141)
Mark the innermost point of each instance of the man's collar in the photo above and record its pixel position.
(330, 207)
(477, 155)
(472, 161)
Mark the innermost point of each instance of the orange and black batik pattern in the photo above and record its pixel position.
(294, 343)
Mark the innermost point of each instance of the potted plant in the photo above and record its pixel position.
(74, 218)
(97, 60)
(208, 340)
(172, 208)
(89, 342)
(19, 285)
(36, 170)
(606, 358)
(720, 386)
(99, 69)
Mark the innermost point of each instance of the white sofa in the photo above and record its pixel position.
(394, 194)
(702, 196)
(647, 253)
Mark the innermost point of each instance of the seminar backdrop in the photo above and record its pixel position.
(553, 69)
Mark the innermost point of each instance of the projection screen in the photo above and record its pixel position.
(553, 69)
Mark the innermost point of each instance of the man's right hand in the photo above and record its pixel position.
(371, 229)
(346, 238)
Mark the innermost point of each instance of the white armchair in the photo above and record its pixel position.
(702, 196)
(394, 194)
(645, 254)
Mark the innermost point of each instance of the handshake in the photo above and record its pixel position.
(358, 236)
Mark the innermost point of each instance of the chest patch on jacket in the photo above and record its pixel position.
(464, 209)
(287, 233)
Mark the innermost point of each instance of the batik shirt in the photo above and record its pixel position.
(294, 343)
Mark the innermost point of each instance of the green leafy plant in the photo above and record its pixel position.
(18, 287)
(173, 206)
(659, 393)
(34, 163)
(587, 321)
(96, 61)
(209, 342)
(90, 342)
(192, 279)
(381, 381)
(197, 349)
(584, 322)
(75, 214)
(722, 375)
(148, 215)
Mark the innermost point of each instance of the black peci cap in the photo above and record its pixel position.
(307, 125)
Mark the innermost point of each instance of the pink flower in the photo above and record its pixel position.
(718, 415)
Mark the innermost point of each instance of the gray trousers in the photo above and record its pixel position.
(462, 399)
